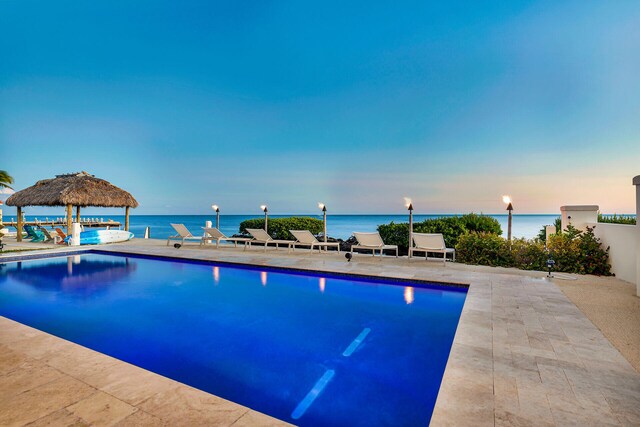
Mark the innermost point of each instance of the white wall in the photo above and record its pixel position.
(621, 240)
(578, 215)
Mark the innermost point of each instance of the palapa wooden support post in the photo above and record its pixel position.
(126, 218)
(78, 214)
(19, 233)
(69, 220)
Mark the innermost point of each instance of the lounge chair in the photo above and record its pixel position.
(183, 234)
(261, 236)
(61, 235)
(48, 236)
(212, 233)
(431, 243)
(35, 235)
(306, 238)
(372, 242)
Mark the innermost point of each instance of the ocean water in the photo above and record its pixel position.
(338, 226)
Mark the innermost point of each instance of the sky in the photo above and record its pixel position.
(354, 104)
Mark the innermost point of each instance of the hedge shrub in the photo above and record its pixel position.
(617, 219)
(483, 249)
(279, 227)
(450, 227)
(573, 251)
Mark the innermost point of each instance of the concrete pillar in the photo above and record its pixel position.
(636, 182)
(549, 231)
(578, 216)
(207, 224)
(75, 234)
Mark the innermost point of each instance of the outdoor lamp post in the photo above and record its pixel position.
(266, 216)
(217, 209)
(324, 219)
(507, 200)
(409, 206)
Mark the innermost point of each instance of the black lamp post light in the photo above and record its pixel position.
(217, 209)
(409, 206)
(266, 216)
(323, 207)
(507, 200)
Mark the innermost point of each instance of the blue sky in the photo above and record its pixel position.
(356, 105)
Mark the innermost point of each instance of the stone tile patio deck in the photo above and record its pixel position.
(523, 354)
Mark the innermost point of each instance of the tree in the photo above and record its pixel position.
(5, 180)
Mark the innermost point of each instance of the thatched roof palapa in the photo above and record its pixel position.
(77, 189)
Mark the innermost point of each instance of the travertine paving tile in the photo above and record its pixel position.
(61, 417)
(256, 419)
(101, 409)
(29, 375)
(187, 406)
(141, 418)
(10, 359)
(41, 401)
(129, 383)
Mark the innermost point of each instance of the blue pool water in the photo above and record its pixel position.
(306, 348)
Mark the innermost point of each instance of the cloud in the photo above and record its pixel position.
(6, 191)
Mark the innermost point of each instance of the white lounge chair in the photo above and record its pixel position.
(372, 242)
(306, 238)
(431, 243)
(183, 234)
(212, 233)
(261, 236)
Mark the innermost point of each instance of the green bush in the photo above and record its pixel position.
(573, 251)
(617, 219)
(451, 229)
(528, 254)
(483, 249)
(581, 252)
(279, 227)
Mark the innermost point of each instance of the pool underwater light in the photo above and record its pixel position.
(313, 394)
(356, 342)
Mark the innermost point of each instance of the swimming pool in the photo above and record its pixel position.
(311, 349)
